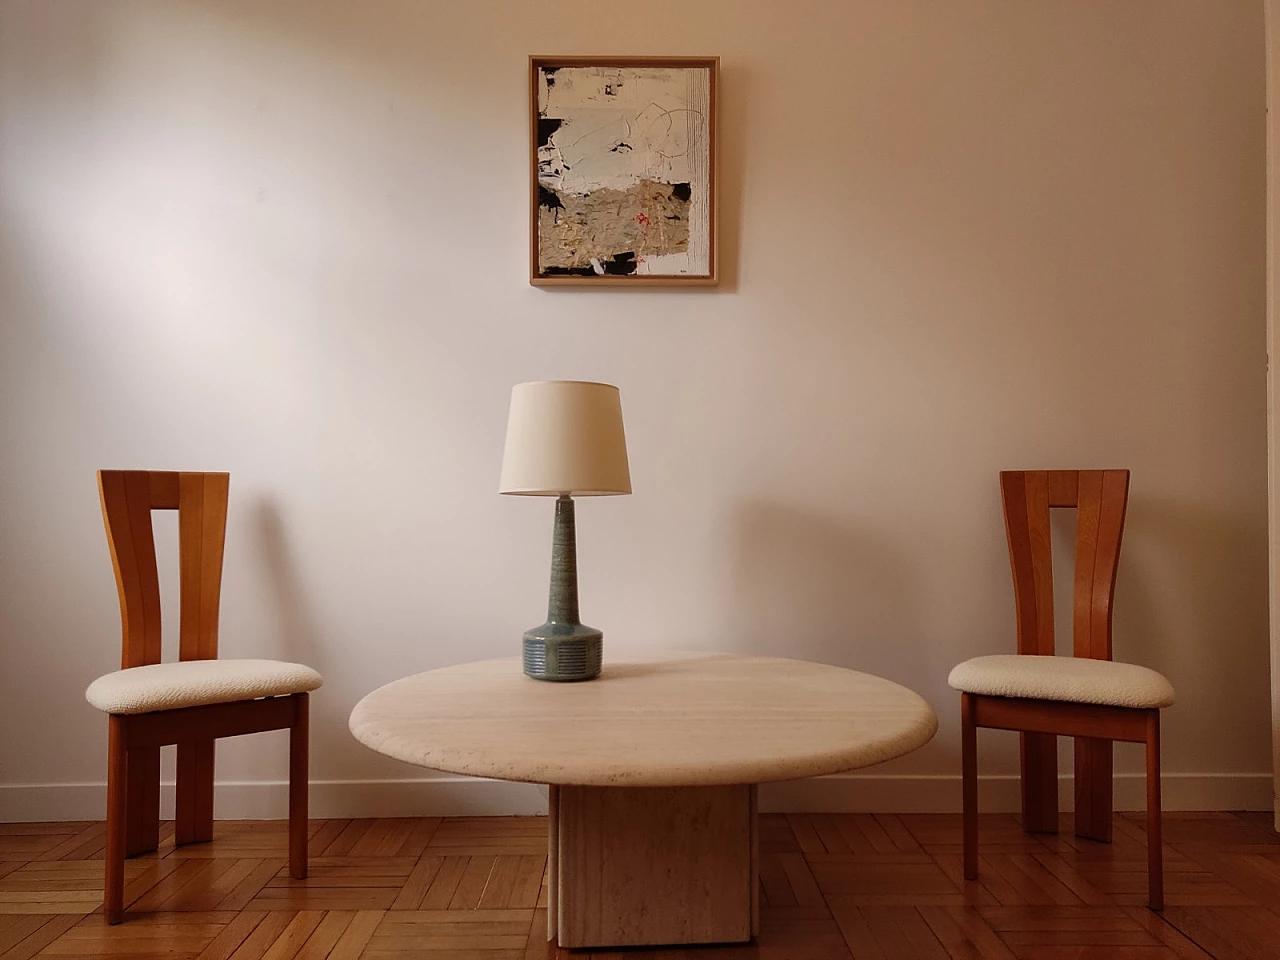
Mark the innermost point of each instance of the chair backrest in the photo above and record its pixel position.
(1099, 497)
(128, 497)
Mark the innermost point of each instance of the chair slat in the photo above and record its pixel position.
(190, 534)
(1013, 489)
(1026, 516)
(164, 489)
(1115, 497)
(1100, 526)
(126, 511)
(202, 524)
(216, 490)
(1041, 537)
(1088, 515)
(1064, 486)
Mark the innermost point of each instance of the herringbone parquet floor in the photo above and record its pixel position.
(833, 887)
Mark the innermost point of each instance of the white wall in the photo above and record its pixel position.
(289, 240)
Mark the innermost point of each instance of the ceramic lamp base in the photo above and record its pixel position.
(563, 652)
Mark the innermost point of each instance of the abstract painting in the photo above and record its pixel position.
(623, 170)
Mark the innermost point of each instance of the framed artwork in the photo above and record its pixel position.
(623, 170)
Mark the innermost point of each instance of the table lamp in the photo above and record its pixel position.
(564, 439)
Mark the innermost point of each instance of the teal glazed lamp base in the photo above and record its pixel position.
(562, 648)
(561, 651)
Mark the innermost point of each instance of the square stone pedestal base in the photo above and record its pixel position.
(640, 866)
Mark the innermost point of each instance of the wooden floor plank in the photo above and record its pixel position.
(415, 844)
(90, 836)
(35, 942)
(14, 928)
(346, 841)
(1167, 934)
(964, 934)
(355, 938)
(263, 936)
(243, 893)
(445, 883)
(383, 838)
(530, 873)
(326, 935)
(414, 889)
(323, 833)
(291, 939)
(229, 939)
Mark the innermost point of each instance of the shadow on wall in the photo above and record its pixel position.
(296, 626)
(1192, 556)
(808, 587)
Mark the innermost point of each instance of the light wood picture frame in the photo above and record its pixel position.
(622, 183)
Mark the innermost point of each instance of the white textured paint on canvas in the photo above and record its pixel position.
(624, 170)
(618, 127)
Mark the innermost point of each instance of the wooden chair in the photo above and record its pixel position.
(191, 702)
(1087, 696)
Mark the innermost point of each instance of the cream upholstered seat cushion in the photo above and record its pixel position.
(1071, 679)
(194, 683)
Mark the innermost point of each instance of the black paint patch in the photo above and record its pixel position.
(568, 272)
(619, 265)
(681, 191)
(620, 147)
(549, 74)
(546, 127)
(547, 198)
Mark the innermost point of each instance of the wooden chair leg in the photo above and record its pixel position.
(1093, 788)
(969, 784)
(117, 824)
(1039, 782)
(142, 771)
(193, 812)
(1155, 851)
(298, 763)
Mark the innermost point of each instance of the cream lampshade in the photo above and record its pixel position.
(564, 439)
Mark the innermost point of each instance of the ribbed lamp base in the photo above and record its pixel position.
(574, 657)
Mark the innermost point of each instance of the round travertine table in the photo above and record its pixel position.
(652, 770)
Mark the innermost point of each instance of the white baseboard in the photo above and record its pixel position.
(466, 796)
